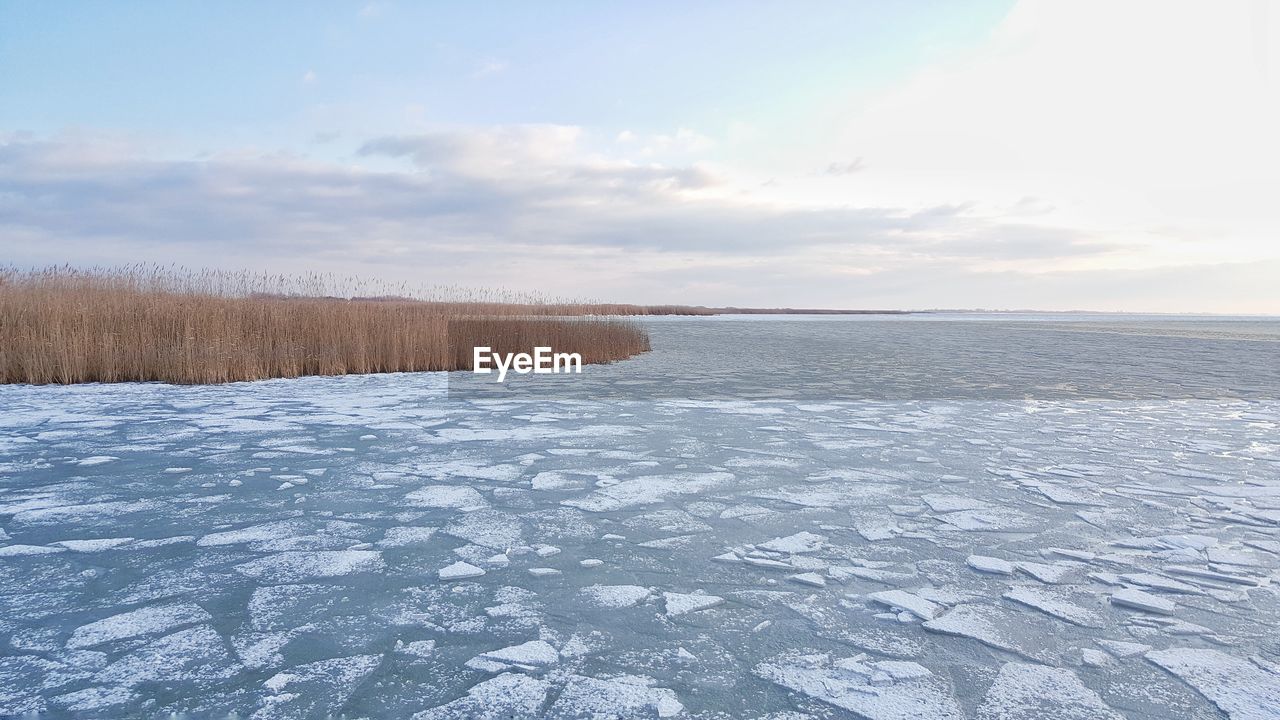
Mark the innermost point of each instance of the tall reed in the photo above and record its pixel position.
(141, 323)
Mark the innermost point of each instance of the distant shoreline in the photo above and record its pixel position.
(791, 311)
(696, 310)
(950, 311)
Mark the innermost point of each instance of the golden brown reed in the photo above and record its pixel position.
(597, 341)
(142, 323)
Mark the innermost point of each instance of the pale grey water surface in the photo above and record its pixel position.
(935, 516)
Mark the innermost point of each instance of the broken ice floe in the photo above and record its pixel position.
(883, 690)
(801, 542)
(460, 497)
(811, 579)
(291, 567)
(616, 596)
(648, 490)
(527, 656)
(509, 695)
(986, 564)
(1022, 692)
(1139, 600)
(997, 626)
(399, 537)
(134, 623)
(1239, 688)
(684, 603)
(1057, 604)
(914, 604)
(460, 571)
(627, 696)
(315, 688)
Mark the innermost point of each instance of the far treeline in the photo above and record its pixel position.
(572, 308)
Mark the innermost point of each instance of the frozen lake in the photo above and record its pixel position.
(885, 517)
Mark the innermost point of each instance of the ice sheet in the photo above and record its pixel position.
(714, 529)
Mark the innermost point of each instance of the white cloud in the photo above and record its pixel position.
(489, 152)
(1147, 122)
(844, 168)
(490, 66)
(683, 140)
(515, 197)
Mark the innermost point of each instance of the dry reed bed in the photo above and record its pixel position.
(146, 324)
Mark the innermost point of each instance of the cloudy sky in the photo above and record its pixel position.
(1045, 154)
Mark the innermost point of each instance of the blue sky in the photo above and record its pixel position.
(276, 73)
(849, 154)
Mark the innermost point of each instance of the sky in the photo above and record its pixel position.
(1003, 154)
